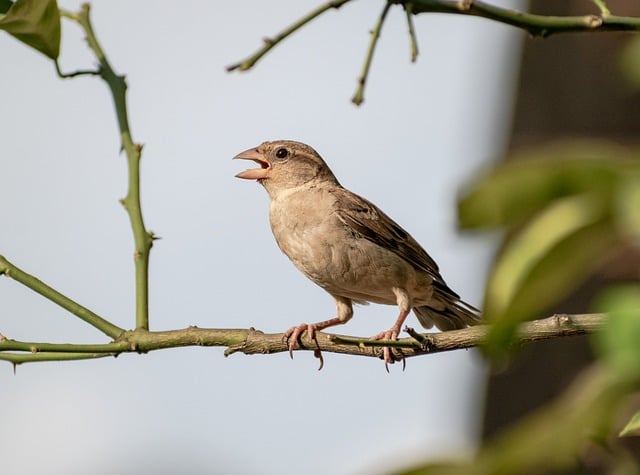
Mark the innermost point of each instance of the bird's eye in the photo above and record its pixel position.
(282, 153)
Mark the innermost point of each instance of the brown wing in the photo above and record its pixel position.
(370, 222)
(447, 311)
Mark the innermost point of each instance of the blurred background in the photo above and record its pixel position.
(424, 130)
(571, 87)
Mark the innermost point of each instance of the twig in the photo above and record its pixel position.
(604, 10)
(535, 25)
(251, 341)
(358, 97)
(80, 72)
(17, 274)
(143, 239)
(408, 8)
(271, 42)
(19, 358)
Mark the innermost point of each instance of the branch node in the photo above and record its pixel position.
(465, 5)
(593, 21)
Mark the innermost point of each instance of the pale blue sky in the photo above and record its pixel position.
(423, 130)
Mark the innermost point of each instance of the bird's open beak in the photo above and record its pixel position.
(253, 173)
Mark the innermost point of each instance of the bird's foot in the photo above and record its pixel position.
(387, 354)
(293, 334)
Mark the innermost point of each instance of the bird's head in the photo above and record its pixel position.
(285, 164)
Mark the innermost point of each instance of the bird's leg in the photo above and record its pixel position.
(391, 334)
(293, 334)
(404, 303)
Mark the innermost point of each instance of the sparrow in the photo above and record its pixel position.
(348, 246)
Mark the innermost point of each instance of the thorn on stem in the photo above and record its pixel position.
(465, 5)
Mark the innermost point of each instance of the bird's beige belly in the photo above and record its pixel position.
(358, 271)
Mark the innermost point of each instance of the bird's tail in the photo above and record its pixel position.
(447, 311)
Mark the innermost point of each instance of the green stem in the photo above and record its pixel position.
(251, 341)
(536, 25)
(364, 342)
(604, 10)
(53, 295)
(36, 347)
(143, 239)
(358, 98)
(269, 43)
(412, 32)
(19, 358)
(81, 72)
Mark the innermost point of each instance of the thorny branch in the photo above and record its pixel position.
(534, 24)
(251, 341)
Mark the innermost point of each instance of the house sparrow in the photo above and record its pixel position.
(348, 246)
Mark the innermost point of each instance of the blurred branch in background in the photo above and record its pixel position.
(534, 24)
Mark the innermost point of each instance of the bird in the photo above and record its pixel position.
(348, 246)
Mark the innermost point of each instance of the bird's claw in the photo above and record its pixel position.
(318, 354)
(293, 335)
(387, 354)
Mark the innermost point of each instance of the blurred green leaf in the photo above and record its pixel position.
(5, 5)
(627, 207)
(35, 23)
(529, 181)
(551, 438)
(629, 63)
(564, 206)
(632, 429)
(619, 342)
(543, 262)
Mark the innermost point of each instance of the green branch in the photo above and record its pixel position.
(19, 358)
(412, 32)
(535, 25)
(269, 43)
(358, 97)
(106, 327)
(604, 10)
(143, 239)
(251, 341)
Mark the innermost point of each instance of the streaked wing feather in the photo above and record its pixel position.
(370, 222)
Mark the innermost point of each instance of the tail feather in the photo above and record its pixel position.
(447, 312)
